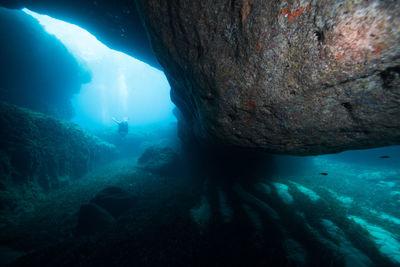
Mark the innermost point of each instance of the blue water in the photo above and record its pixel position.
(363, 186)
(120, 86)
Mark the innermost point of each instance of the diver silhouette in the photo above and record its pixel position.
(122, 126)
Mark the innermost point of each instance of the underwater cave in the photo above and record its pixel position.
(201, 133)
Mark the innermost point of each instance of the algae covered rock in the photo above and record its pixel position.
(296, 77)
(40, 153)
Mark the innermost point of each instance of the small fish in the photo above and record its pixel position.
(384, 157)
(324, 173)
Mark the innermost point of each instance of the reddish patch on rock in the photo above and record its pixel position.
(378, 50)
(286, 11)
(295, 13)
(246, 8)
(258, 47)
(308, 8)
(296, 114)
(251, 104)
(340, 56)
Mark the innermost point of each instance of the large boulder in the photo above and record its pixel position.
(37, 70)
(114, 200)
(103, 210)
(93, 219)
(160, 160)
(296, 77)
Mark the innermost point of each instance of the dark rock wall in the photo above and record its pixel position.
(37, 71)
(38, 151)
(297, 77)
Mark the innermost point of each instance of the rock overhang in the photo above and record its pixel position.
(292, 77)
(296, 77)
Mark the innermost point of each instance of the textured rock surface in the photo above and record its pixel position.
(298, 77)
(39, 153)
(37, 70)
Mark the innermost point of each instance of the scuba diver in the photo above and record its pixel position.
(122, 126)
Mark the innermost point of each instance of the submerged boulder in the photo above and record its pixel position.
(114, 200)
(93, 219)
(296, 77)
(39, 153)
(101, 213)
(161, 160)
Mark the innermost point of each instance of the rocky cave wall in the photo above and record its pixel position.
(294, 77)
(39, 153)
(37, 70)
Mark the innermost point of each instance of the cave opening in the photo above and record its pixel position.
(121, 89)
(88, 195)
(120, 86)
